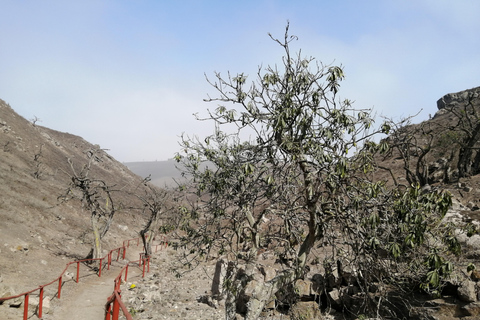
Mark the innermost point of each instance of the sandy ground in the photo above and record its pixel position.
(78, 301)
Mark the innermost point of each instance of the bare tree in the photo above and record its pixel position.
(454, 135)
(96, 197)
(467, 125)
(415, 145)
(34, 120)
(157, 202)
(38, 164)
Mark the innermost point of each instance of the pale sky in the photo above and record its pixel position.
(128, 75)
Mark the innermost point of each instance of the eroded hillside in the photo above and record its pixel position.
(39, 232)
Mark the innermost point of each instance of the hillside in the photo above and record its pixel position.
(38, 232)
(428, 153)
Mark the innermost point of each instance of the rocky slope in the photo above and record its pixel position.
(160, 296)
(38, 232)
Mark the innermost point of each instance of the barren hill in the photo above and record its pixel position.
(442, 152)
(38, 232)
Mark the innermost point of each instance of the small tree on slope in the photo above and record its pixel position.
(157, 203)
(96, 197)
(303, 182)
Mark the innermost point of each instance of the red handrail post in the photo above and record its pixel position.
(78, 270)
(107, 312)
(109, 260)
(100, 268)
(124, 252)
(116, 308)
(126, 271)
(143, 273)
(59, 287)
(25, 307)
(40, 303)
(118, 253)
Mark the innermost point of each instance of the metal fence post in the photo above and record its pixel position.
(25, 307)
(40, 303)
(59, 287)
(116, 308)
(78, 270)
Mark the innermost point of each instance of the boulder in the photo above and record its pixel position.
(475, 275)
(245, 296)
(438, 309)
(271, 304)
(6, 291)
(308, 310)
(467, 291)
(458, 98)
(303, 288)
(34, 302)
(473, 309)
(335, 297)
(268, 272)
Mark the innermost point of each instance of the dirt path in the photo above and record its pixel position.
(86, 300)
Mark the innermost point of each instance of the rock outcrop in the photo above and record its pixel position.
(458, 98)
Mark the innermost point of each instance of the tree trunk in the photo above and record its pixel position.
(466, 152)
(107, 225)
(148, 233)
(97, 245)
(217, 280)
(476, 163)
(147, 237)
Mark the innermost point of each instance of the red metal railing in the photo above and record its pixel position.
(107, 258)
(114, 302)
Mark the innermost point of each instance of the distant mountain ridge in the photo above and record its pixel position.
(162, 173)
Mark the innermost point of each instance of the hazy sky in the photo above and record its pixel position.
(128, 75)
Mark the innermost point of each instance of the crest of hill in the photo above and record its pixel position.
(35, 226)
